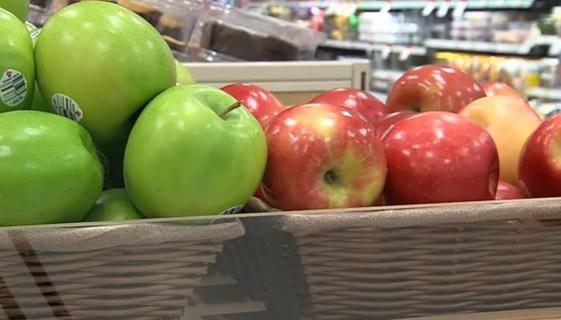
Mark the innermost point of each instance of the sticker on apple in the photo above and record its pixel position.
(67, 107)
(233, 210)
(13, 87)
(35, 34)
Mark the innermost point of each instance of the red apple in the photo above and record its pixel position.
(261, 103)
(506, 191)
(433, 88)
(540, 163)
(389, 121)
(364, 102)
(323, 156)
(440, 157)
(499, 89)
(510, 121)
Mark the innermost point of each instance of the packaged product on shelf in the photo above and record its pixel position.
(251, 37)
(208, 31)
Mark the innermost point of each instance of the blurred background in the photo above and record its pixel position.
(513, 41)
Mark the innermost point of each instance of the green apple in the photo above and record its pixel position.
(17, 67)
(99, 63)
(192, 152)
(113, 205)
(49, 169)
(20, 8)
(184, 77)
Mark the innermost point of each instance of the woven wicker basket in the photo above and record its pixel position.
(392, 263)
(129, 271)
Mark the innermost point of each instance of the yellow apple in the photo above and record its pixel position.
(510, 121)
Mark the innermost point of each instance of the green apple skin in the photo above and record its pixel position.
(113, 205)
(49, 168)
(16, 53)
(20, 8)
(107, 59)
(183, 159)
(184, 77)
(39, 103)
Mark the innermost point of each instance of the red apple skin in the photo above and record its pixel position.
(440, 157)
(323, 156)
(499, 89)
(364, 102)
(540, 162)
(389, 121)
(433, 88)
(506, 191)
(259, 101)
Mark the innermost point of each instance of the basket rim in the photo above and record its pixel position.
(71, 239)
(387, 217)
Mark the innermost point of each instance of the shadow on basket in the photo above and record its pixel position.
(124, 271)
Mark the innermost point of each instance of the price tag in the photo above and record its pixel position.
(386, 50)
(387, 7)
(460, 9)
(429, 8)
(443, 10)
(404, 54)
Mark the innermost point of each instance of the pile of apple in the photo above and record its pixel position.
(117, 130)
(441, 137)
(112, 110)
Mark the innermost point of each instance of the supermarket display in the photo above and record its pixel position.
(433, 88)
(17, 66)
(52, 158)
(194, 150)
(113, 205)
(539, 172)
(510, 121)
(185, 159)
(323, 156)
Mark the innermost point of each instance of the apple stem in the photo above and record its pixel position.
(229, 109)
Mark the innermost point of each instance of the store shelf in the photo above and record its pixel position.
(544, 93)
(411, 4)
(388, 75)
(496, 47)
(479, 46)
(365, 46)
(454, 45)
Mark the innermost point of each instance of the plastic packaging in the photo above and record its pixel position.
(209, 31)
(241, 35)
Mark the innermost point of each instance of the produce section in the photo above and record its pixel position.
(195, 160)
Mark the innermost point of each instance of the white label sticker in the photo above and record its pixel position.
(232, 210)
(67, 107)
(13, 87)
(35, 34)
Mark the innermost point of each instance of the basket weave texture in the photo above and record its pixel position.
(129, 271)
(430, 260)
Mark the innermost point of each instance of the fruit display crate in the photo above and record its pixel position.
(477, 259)
(145, 270)
(401, 262)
